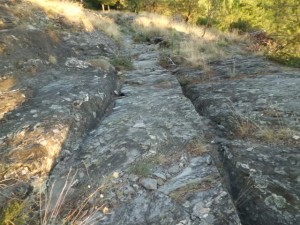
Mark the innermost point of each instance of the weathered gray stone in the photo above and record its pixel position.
(251, 114)
(148, 183)
(135, 133)
(174, 169)
(160, 175)
(199, 188)
(155, 209)
(133, 177)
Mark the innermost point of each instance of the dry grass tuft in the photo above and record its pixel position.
(53, 211)
(186, 40)
(283, 135)
(2, 48)
(75, 14)
(245, 128)
(106, 24)
(197, 148)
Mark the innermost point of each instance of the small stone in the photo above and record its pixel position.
(245, 166)
(160, 182)
(67, 99)
(149, 183)
(133, 177)
(183, 222)
(128, 190)
(33, 111)
(135, 186)
(249, 149)
(106, 210)
(152, 137)
(120, 194)
(76, 104)
(66, 152)
(174, 169)
(295, 137)
(160, 175)
(25, 171)
(209, 161)
(81, 175)
(261, 101)
(139, 125)
(116, 175)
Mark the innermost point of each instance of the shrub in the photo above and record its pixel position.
(204, 21)
(14, 213)
(122, 62)
(240, 25)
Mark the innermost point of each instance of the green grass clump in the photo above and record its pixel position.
(141, 38)
(14, 213)
(142, 169)
(122, 62)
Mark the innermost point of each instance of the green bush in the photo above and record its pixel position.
(285, 59)
(14, 213)
(204, 21)
(122, 62)
(240, 25)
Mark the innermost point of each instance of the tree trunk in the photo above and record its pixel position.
(103, 7)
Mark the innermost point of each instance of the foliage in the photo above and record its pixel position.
(205, 21)
(141, 169)
(13, 214)
(240, 25)
(279, 18)
(122, 62)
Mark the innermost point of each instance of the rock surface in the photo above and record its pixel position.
(46, 103)
(220, 151)
(151, 125)
(256, 120)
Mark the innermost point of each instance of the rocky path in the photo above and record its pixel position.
(149, 156)
(145, 153)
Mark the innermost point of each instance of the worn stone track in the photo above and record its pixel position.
(146, 153)
(152, 121)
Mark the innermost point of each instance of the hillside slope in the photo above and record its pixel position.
(152, 126)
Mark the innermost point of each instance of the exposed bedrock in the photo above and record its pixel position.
(256, 126)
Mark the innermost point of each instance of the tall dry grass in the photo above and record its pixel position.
(75, 14)
(52, 205)
(196, 44)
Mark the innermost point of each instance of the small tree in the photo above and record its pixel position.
(107, 3)
(188, 9)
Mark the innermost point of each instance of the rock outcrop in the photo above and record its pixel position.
(256, 126)
(84, 143)
(50, 97)
(152, 129)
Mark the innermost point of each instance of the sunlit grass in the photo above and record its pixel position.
(75, 14)
(196, 44)
(147, 20)
(10, 100)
